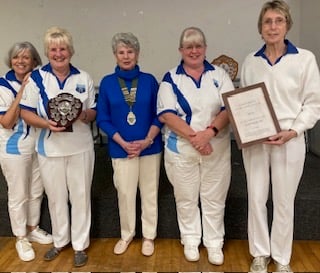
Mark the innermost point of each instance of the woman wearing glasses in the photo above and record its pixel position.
(197, 145)
(292, 78)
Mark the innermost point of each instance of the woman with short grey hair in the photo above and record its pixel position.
(18, 159)
(126, 112)
(126, 39)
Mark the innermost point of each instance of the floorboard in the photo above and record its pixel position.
(168, 257)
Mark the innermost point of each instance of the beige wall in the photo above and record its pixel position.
(310, 26)
(230, 27)
(310, 38)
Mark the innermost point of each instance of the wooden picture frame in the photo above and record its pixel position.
(251, 114)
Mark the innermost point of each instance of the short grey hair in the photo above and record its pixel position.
(126, 39)
(22, 46)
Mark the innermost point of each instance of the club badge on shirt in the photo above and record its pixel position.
(80, 88)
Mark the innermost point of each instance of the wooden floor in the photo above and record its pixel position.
(168, 257)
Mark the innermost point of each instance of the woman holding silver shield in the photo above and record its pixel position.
(65, 150)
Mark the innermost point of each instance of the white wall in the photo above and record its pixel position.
(230, 27)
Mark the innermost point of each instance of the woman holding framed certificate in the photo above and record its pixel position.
(291, 76)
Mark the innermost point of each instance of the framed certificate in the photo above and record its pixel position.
(251, 114)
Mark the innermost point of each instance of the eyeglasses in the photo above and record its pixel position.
(192, 47)
(278, 22)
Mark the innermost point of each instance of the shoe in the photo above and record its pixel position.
(40, 236)
(215, 255)
(260, 264)
(147, 247)
(25, 250)
(80, 258)
(121, 246)
(282, 268)
(52, 253)
(191, 253)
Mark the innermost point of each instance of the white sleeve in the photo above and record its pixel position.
(167, 100)
(30, 96)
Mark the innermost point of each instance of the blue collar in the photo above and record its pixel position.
(291, 49)
(48, 68)
(11, 76)
(207, 67)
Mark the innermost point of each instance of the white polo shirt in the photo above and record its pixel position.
(43, 85)
(196, 103)
(21, 138)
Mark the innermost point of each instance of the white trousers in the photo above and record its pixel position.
(207, 178)
(25, 191)
(129, 174)
(68, 179)
(285, 165)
